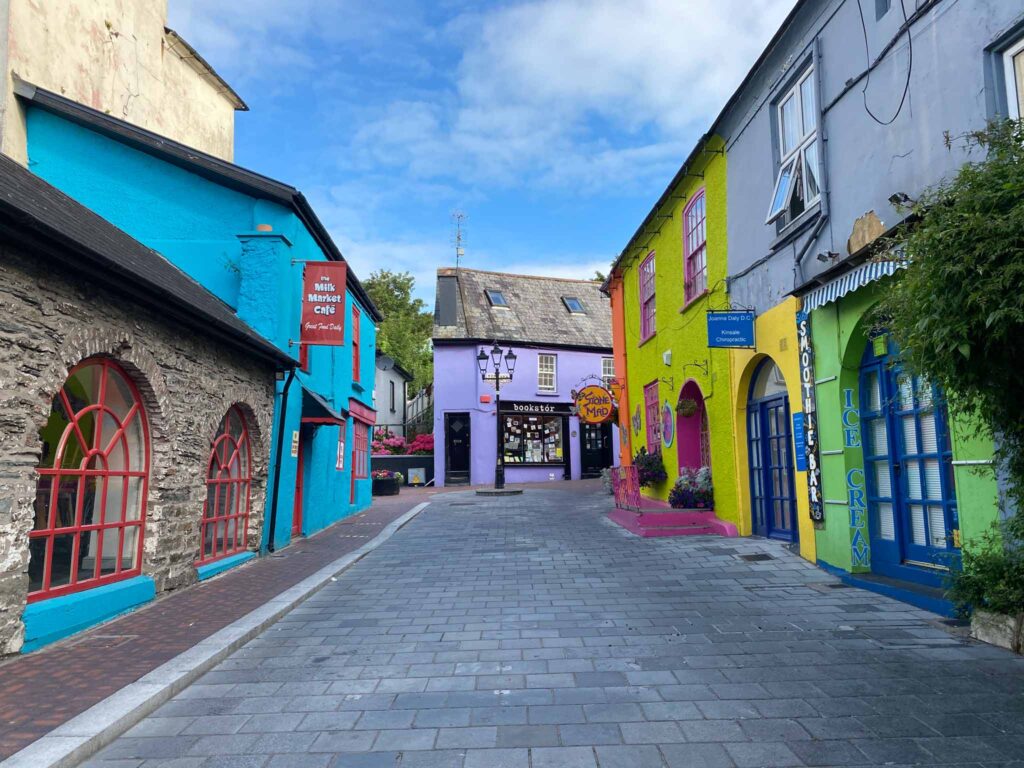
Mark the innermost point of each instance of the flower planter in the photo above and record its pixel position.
(999, 629)
(386, 487)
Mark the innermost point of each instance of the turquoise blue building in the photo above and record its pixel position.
(245, 238)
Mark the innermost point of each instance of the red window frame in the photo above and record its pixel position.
(695, 247)
(229, 487)
(653, 418)
(647, 299)
(98, 448)
(356, 315)
(705, 436)
(360, 450)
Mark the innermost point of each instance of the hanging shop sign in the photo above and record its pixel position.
(323, 304)
(733, 330)
(544, 409)
(594, 404)
(810, 420)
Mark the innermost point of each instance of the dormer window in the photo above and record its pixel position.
(574, 305)
(496, 298)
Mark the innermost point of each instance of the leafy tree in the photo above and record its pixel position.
(599, 276)
(406, 329)
(957, 310)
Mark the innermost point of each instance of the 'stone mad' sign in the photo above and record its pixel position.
(323, 304)
(594, 404)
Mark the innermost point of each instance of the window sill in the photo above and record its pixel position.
(795, 228)
(644, 341)
(210, 568)
(694, 300)
(546, 393)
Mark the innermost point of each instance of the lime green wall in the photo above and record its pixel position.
(681, 328)
(838, 332)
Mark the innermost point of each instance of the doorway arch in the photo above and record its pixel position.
(770, 455)
(693, 435)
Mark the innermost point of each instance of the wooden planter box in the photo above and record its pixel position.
(389, 487)
(999, 629)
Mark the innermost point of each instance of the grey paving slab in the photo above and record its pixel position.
(533, 633)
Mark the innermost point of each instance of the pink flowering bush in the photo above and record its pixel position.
(421, 445)
(386, 442)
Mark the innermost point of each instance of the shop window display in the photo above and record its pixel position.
(533, 439)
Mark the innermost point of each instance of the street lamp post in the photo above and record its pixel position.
(485, 361)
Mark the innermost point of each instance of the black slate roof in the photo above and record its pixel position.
(48, 223)
(536, 312)
(207, 166)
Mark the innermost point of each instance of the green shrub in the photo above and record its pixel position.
(957, 311)
(992, 578)
(650, 468)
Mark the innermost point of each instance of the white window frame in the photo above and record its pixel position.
(1010, 75)
(547, 366)
(796, 157)
(607, 370)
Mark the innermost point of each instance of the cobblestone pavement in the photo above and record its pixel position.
(533, 633)
(42, 690)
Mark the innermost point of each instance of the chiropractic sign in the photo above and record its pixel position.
(323, 303)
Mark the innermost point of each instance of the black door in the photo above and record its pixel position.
(596, 448)
(456, 448)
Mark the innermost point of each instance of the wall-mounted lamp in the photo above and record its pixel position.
(827, 256)
(901, 200)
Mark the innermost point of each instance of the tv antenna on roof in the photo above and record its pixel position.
(458, 217)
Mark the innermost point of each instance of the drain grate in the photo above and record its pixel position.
(462, 504)
(758, 558)
(840, 585)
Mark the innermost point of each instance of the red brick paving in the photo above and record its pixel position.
(42, 690)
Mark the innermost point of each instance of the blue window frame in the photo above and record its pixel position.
(908, 468)
(770, 455)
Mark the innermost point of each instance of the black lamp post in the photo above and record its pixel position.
(485, 361)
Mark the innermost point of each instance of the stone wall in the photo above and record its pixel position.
(113, 56)
(50, 321)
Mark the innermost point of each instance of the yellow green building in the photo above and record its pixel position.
(699, 404)
(677, 392)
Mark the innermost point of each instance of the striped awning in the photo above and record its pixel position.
(856, 278)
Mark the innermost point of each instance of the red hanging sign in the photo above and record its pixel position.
(323, 303)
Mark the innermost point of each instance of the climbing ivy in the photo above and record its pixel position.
(957, 310)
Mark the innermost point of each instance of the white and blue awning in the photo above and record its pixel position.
(856, 278)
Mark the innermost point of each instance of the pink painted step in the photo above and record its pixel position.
(652, 523)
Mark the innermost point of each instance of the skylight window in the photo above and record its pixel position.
(574, 305)
(497, 298)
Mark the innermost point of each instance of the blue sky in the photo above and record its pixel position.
(553, 124)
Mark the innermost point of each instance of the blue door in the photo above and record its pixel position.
(908, 468)
(770, 455)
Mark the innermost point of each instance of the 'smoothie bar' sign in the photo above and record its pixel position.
(323, 303)
(810, 420)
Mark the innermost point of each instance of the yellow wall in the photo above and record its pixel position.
(682, 329)
(775, 336)
(113, 56)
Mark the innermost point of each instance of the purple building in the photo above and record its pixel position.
(561, 332)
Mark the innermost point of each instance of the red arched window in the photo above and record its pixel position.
(225, 526)
(91, 495)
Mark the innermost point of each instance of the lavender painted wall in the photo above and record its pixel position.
(458, 388)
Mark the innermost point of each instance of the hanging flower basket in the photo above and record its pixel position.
(687, 406)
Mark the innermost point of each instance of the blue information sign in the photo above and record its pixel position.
(731, 329)
(799, 442)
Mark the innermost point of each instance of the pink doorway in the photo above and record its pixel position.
(693, 443)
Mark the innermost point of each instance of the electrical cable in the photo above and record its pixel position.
(867, 55)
